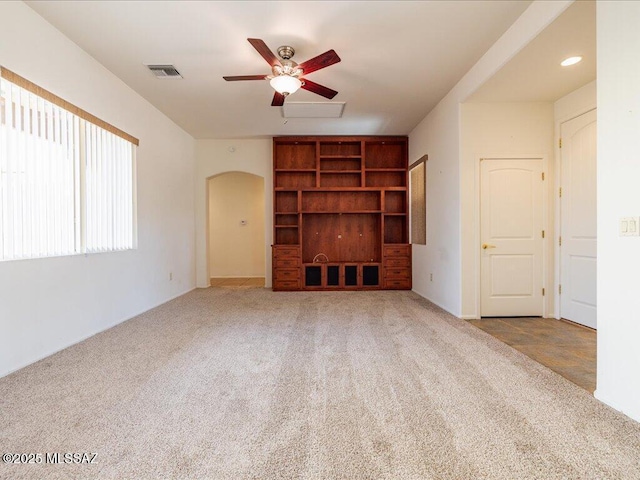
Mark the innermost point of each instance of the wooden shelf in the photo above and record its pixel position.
(337, 189)
(346, 197)
(339, 212)
(386, 178)
(384, 169)
(295, 178)
(339, 148)
(386, 154)
(341, 164)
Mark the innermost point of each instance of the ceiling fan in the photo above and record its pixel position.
(287, 75)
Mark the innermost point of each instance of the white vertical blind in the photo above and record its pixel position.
(109, 192)
(38, 163)
(66, 184)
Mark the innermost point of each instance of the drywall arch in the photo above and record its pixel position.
(235, 225)
(215, 157)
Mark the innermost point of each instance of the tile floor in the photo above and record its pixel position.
(238, 282)
(566, 348)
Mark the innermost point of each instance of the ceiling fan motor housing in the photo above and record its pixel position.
(286, 52)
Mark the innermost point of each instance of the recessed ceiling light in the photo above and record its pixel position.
(570, 61)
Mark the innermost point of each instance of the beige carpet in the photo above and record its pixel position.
(247, 383)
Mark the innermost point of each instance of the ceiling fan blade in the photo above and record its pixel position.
(263, 50)
(318, 89)
(278, 100)
(244, 77)
(321, 61)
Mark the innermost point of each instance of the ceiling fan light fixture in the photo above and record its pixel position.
(287, 74)
(285, 84)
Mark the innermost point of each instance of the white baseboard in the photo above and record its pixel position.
(243, 276)
(82, 339)
(615, 405)
(436, 303)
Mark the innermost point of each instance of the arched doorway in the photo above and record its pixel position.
(236, 229)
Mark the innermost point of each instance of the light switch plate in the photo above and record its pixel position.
(629, 226)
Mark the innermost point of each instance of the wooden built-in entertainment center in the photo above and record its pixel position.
(340, 213)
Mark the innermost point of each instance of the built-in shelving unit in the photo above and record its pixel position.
(340, 213)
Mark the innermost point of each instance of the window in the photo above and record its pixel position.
(66, 178)
(418, 196)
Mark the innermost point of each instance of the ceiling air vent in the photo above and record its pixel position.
(164, 71)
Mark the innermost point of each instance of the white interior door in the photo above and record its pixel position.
(511, 236)
(578, 220)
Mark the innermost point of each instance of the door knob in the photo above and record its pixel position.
(486, 245)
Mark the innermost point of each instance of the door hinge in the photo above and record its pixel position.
(542, 233)
(560, 192)
(560, 289)
(559, 241)
(543, 176)
(560, 143)
(543, 292)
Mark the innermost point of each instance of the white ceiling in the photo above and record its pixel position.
(535, 74)
(399, 58)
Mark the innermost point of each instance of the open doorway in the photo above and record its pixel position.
(235, 226)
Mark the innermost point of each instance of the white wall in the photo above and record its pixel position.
(214, 157)
(438, 136)
(575, 103)
(236, 249)
(498, 130)
(49, 304)
(618, 44)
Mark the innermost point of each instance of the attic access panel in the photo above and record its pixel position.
(313, 109)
